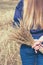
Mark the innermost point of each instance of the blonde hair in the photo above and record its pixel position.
(33, 12)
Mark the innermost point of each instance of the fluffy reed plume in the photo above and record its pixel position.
(22, 35)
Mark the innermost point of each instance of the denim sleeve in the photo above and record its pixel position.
(18, 12)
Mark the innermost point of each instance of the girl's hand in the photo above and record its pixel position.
(36, 45)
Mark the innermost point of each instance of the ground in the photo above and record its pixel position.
(9, 50)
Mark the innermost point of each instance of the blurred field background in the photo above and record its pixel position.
(9, 50)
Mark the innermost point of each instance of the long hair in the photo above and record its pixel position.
(33, 9)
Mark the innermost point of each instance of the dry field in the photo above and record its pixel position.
(9, 49)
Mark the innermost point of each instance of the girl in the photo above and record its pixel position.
(34, 9)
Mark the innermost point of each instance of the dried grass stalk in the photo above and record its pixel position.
(22, 35)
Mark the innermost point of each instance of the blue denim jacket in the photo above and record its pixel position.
(18, 12)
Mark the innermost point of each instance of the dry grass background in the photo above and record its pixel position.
(9, 49)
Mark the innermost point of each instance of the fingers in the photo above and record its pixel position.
(41, 45)
(36, 46)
